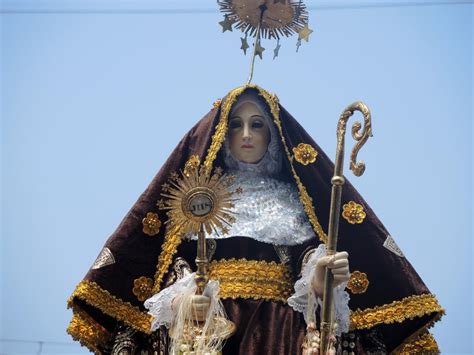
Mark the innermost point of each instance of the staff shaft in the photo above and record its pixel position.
(337, 182)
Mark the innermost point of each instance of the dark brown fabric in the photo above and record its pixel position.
(136, 254)
(264, 327)
(391, 277)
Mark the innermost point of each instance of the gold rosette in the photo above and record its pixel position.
(142, 288)
(305, 154)
(353, 213)
(151, 224)
(358, 282)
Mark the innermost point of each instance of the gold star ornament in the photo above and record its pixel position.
(226, 24)
(244, 45)
(259, 49)
(304, 33)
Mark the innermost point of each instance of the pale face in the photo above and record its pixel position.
(249, 133)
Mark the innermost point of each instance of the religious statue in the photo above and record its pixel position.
(269, 272)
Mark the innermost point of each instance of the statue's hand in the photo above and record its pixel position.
(339, 265)
(200, 307)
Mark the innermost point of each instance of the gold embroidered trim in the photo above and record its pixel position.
(216, 103)
(395, 312)
(423, 344)
(221, 127)
(96, 296)
(424, 329)
(244, 278)
(86, 330)
(168, 249)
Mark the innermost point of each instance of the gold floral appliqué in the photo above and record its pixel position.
(191, 165)
(353, 213)
(305, 154)
(142, 288)
(151, 224)
(358, 282)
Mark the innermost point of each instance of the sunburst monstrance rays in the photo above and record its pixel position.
(200, 199)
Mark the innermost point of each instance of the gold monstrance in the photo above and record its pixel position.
(199, 202)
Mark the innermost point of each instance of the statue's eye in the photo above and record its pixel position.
(235, 124)
(257, 124)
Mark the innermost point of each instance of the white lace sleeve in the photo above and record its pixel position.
(159, 305)
(305, 301)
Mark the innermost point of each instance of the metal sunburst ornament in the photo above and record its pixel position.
(268, 19)
(198, 200)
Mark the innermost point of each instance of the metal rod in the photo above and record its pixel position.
(257, 41)
(201, 262)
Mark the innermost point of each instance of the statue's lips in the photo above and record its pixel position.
(247, 146)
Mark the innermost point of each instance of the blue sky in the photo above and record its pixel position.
(93, 102)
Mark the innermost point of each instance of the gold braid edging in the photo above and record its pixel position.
(168, 249)
(395, 312)
(93, 294)
(244, 278)
(253, 268)
(221, 127)
(305, 199)
(86, 330)
(238, 289)
(423, 344)
(419, 333)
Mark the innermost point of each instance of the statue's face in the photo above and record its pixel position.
(249, 133)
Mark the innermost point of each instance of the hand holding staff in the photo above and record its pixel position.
(339, 266)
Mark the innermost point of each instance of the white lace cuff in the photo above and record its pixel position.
(305, 301)
(159, 305)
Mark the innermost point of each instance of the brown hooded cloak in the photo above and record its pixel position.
(389, 301)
